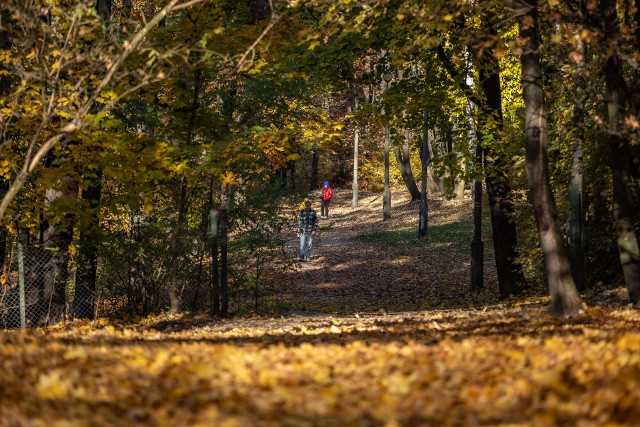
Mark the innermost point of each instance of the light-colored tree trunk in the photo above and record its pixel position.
(386, 197)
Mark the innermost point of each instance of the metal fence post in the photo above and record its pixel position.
(23, 314)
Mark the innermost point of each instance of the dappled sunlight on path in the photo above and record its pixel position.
(361, 263)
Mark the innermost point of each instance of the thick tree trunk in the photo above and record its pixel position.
(510, 278)
(565, 300)
(403, 160)
(620, 158)
(56, 238)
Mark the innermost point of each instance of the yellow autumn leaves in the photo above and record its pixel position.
(477, 367)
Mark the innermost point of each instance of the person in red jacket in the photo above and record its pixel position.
(326, 195)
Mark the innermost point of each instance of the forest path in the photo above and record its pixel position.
(362, 264)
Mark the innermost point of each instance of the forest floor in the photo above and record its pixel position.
(379, 329)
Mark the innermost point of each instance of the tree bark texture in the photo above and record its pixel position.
(620, 159)
(565, 300)
(403, 160)
(505, 240)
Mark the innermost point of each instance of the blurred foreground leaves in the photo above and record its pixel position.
(504, 365)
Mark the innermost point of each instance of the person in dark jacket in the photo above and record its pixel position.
(307, 225)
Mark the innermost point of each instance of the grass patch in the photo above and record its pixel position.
(453, 235)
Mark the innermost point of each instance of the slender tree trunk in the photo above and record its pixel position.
(458, 180)
(423, 222)
(315, 158)
(575, 221)
(182, 201)
(510, 278)
(356, 142)
(477, 246)
(215, 268)
(5, 87)
(386, 197)
(87, 265)
(620, 158)
(224, 264)
(565, 300)
(403, 159)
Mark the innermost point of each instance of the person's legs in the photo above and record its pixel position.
(323, 208)
(309, 244)
(326, 210)
(302, 244)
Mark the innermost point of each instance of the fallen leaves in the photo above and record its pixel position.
(348, 358)
(444, 368)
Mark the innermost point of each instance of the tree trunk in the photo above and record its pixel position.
(315, 158)
(458, 183)
(356, 142)
(215, 268)
(565, 300)
(576, 218)
(5, 87)
(404, 164)
(87, 266)
(510, 278)
(423, 221)
(386, 197)
(477, 246)
(56, 238)
(620, 158)
(182, 200)
(224, 267)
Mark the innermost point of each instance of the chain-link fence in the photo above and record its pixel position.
(30, 285)
(41, 286)
(141, 270)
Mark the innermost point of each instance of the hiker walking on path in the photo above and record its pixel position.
(307, 225)
(325, 197)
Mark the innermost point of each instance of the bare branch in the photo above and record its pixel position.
(255, 43)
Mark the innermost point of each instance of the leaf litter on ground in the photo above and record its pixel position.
(375, 335)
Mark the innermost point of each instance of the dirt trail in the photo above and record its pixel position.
(348, 275)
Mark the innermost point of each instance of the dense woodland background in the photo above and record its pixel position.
(480, 265)
(156, 153)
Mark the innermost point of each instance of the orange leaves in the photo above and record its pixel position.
(488, 367)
